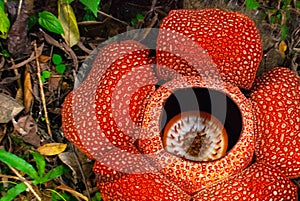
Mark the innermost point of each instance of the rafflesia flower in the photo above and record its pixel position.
(176, 126)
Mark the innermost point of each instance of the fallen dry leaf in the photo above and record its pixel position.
(69, 159)
(2, 62)
(9, 108)
(2, 131)
(52, 149)
(28, 96)
(54, 81)
(31, 58)
(9, 80)
(44, 58)
(17, 37)
(282, 48)
(27, 130)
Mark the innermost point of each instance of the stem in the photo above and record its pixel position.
(42, 90)
(26, 183)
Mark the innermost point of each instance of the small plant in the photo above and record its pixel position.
(139, 18)
(278, 17)
(59, 67)
(5, 53)
(38, 176)
(45, 75)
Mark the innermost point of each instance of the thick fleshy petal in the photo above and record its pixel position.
(222, 100)
(258, 182)
(119, 162)
(137, 187)
(69, 126)
(230, 39)
(116, 92)
(276, 102)
(104, 111)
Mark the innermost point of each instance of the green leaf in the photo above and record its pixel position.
(134, 21)
(93, 5)
(286, 3)
(2, 5)
(89, 16)
(55, 196)
(272, 19)
(5, 24)
(251, 4)
(284, 32)
(40, 163)
(6, 53)
(32, 20)
(139, 16)
(56, 59)
(50, 22)
(60, 68)
(279, 16)
(46, 74)
(52, 174)
(18, 163)
(97, 197)
(13, 192)
(297, 4)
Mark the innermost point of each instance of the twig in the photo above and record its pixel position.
(42, 90)
(26, 183)
(82, 173)
(112, 17)
(20, 7)
(83, 48)
(21, 64)
(12, 177)
(63, 46)
(153, 5)
(20, 90)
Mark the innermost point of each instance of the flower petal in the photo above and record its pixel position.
(137, 187)
(231, 40)
(119, 162)
(69, 126)
(226, 103)
(276, 102)
(104, 111)
(258, 182)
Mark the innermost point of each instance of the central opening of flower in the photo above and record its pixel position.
(195, 135)
(200, 124)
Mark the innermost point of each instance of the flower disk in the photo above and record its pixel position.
(197, 136)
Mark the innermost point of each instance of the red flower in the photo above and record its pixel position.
(196, 136)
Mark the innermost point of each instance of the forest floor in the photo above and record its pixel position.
(33, 90)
